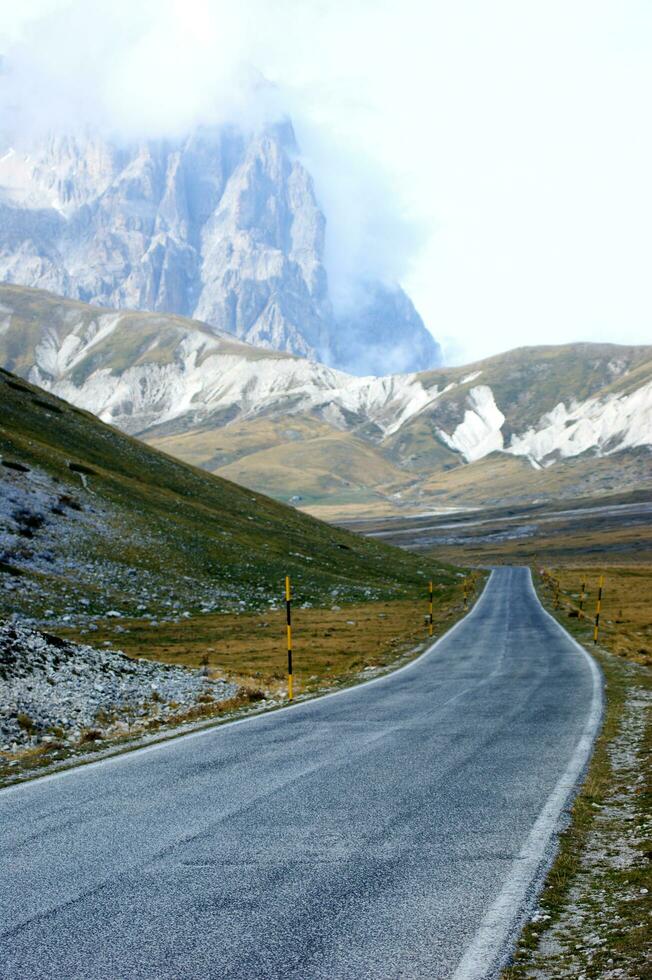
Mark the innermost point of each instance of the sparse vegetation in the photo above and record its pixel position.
(626, 616)
(331, 646)
(613, 529)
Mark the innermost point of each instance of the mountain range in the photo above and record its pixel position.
(529, 424)
(219, 225)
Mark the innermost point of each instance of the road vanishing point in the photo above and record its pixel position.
(400, 828)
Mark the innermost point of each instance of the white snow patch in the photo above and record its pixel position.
(227, 375)
(56, 356)
(480, 432)
(606, 425)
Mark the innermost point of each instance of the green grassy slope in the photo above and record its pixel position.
(129, 527)
(301, 460)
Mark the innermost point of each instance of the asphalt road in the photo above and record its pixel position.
(398, 829)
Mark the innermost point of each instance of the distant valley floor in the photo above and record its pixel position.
(612, 529)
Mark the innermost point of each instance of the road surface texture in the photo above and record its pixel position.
(397, 829)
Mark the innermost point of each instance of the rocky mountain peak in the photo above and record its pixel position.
(219, 225)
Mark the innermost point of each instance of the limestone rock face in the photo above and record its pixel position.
(220, 226)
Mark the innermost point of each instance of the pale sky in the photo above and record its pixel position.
(494, 156)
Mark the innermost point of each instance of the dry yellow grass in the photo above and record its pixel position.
(212, 447)
(300, 457)
(330, 645)
(332, 648)
(626, 615)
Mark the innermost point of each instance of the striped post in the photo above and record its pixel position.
(598, 607)
(288, 615)
(582, 596)
(429, 608)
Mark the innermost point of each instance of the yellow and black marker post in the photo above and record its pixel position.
(429, 608)
(582, 596)
(598, 607)
(288, 614)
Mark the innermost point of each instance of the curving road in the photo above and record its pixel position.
(398, 829)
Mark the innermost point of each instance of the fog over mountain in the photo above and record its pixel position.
(221, 225)
(490, 159)
(155, 168)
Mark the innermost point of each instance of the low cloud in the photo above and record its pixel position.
(159, 69)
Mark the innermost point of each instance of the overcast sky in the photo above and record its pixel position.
(494, 156)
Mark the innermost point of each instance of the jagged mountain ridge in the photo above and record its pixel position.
(219, 225)
(146, 371)
(296, 428)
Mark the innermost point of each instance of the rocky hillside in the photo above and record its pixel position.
(539, 421)
(97, 526)
(220, 225)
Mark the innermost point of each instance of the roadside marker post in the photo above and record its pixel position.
(288, 616)
(598, 607)
(582, 596)
(430, 609)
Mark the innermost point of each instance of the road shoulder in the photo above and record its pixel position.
(593, 913)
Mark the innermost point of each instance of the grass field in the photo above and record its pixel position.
(331, 645)
(555, 543)
(626, 616)
(615, 529)
(301, 459)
